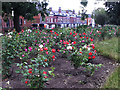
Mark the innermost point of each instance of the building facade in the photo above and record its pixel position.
(60, 18)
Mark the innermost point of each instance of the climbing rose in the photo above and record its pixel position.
(58, 50)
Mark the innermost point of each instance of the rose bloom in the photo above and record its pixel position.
(45, 77)
(26, 82)
(69, 47)
(44, 72)
(53, 50)
(30, 71)
(90, 53)
(45, 48)
(41, 46)
(22, 55)
(53, 56)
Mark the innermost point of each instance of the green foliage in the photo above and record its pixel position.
(25, 9)
(113, 12)
(84, 15)
(100, 16)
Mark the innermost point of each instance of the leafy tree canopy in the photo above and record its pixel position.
(25, 9)
(113, 11)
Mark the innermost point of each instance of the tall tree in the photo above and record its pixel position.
(100, 16)
(84, 4)
(113, 11)
(25, 9)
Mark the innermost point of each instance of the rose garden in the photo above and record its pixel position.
(57, 58)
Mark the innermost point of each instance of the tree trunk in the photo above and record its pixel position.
(16, 22)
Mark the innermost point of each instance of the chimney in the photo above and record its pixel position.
(59, 10)
(50, 8)
(73, 11)
(66, 11)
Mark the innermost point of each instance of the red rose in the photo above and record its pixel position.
(41, 49)
(74, 31)
(30, 71)
(58, 50)
(51, 31)
(93, 47)
(26, 82)
(81, 37)
(44, 72)
(84, 33)
(74, 42)
(80, 52)
(93, 57)
(53, 50)
(76, 34)
(69, 40)
(73, 35)
(47, 52)
(91, 40)
(89, 57)
(45, 60)
(57, 34)
(36, 31)
(64, 42)
(90, 53)
(70, 33)
(45, 77)
(53, 56)
(45, 48)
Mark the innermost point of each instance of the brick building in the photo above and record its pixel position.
(61, 18)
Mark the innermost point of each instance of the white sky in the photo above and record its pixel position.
(73, 4)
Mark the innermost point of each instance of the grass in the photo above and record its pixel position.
(108, 48)
(113, 80)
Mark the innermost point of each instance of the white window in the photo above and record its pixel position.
(24, 22)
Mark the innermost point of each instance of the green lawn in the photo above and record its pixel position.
(113, 80)
(110, 49)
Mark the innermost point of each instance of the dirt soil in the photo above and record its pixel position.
(68, 77)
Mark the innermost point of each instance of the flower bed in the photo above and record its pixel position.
(36, 49)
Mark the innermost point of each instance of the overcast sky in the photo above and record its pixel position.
(73, 4)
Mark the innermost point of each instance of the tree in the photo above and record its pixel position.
(25, 9)
(100, 16)
(113, 11)
(83, 14)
